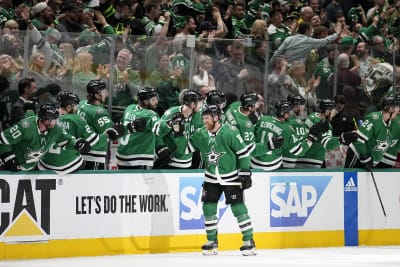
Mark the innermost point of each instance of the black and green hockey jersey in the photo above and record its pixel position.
(374, 137)
(137, 149)
(292, 148)
(29, 144)
(315, 156)
(390, 155)
(67, 159)
(223, 153)
(237, 119)
(180, 159)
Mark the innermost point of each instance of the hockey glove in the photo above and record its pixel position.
(347, 138)
(10, 162)
(137, 125)
(323, 126)
(366, 161)
(115, 132)
(177, 123)
(82, 146)
(245, 178)
(163, 157)
(275, 142)
(314, 133)
(253, 118)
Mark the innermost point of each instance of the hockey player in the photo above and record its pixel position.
(192, 103)
(237, 115)
(99, 119)
(64, 160)
(297, 104)
(374, 137)
(227, 171)
(138, 147)
(390, 156)
(315, 156)
(217, 97)
(24, 143)
(279, 136)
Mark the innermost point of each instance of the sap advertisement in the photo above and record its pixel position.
(306, 201)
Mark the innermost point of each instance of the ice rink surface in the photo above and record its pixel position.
(322, 257)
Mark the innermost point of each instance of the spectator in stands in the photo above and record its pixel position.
(364, 59)
(161, 73)
(280, 85)
(232, 75)
(10, 69)
(70, 26)
(333, 10)
(297, 47)
(82, 73)
(306, 88)
(315, 21)
(277, 31)
(126, 80)
(315, 4)
(344, 75)
(12, 46)
(325, 70)
(203, 76)
(306, 13)
(42, 16)
(187, 26)
(259, 30)
(37, 69)
(151, 21)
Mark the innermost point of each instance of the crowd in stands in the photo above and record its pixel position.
(320, 49)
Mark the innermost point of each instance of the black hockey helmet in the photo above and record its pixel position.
(146, 93)
(66, 98)
(282, 107)
(295, 99)
(248, 99)
(190, 96)
(48, 112)
(326, 104)
(388, 102)
(397, 99)
(212, 110)
(95, 86)
(215, 97)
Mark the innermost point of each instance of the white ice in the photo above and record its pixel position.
(384, 256)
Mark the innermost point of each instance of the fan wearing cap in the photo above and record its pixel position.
(42, 16)
(26, 142)
(70, 25)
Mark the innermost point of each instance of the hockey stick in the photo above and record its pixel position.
(377, 192)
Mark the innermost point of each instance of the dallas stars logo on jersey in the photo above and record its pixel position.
(213, 156)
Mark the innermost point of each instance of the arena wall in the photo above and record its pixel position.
(43, 215)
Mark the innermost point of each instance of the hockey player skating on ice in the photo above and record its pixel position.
(374, 137)
(24, 143)
(227, 171)
(99, 119)
(64, 160)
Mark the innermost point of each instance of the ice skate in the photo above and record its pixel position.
(248, 248)
(210, 248)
